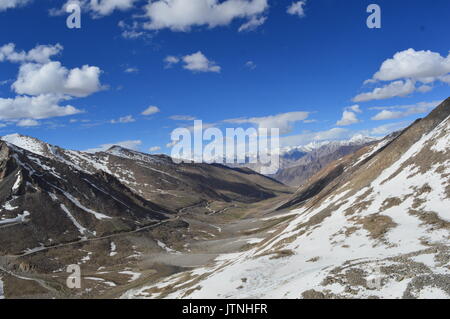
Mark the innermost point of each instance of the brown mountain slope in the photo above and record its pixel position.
(50, 196)
(158, 179)
(306, 167)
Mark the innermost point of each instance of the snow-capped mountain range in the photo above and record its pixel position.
(298, 164)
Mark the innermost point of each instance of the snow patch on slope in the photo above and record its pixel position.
(28, 143)
(2, 294)
(81, 229)
(21, 218)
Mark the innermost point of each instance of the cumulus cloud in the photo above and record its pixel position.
(124, 119)
(181, 15)
(36, 107)
(98, 8)
(252, 24)
(27, 123)
(404, 70)
(11, 4)
(129, 144)
(171, 60)
(354, 108)
(42, 85)
(282, 121)
(151, 110)
(297, 8)
(198, 62)
(39, 75)
(348, 118)
(106, 7)
(52, 77)
(393, 89)
(424, 66)
(401, 111)
(39, 54)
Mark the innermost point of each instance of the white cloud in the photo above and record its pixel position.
(36, 107)
(182, 15)
(297, 8)
(151, 110)
(407, 68)
(424, 88)
(386, 129)
(98, 8)
(154, 149)
(198, 62)
(445, 78)
(131, 31)
(250, 64)
(331, 134)
(131, 70)
(132, 34)
(252, 24)
(11, 4)
(424, 66)
(171, 60)
(124, 119)
(27, 123)
(43, 84)
(106, 7)
(348, 118)
(394, 89)
(39, 54)
(282, 121)
(387, 115)
(182, 118)
(130, 144)
(401, 111)
(354, 108)
(38, 75)
(52, 77)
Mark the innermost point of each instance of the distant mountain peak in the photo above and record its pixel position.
(358, 139)
(28, 143)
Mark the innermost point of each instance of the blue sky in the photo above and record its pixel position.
(232, 62)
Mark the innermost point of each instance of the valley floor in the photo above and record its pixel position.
(115, 264)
